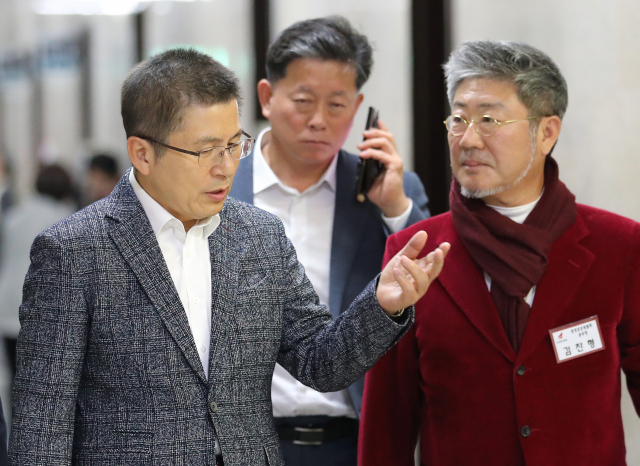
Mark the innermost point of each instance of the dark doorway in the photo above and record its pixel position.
(430, 25)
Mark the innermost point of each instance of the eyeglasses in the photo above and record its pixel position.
(486, 126)
(212, 156)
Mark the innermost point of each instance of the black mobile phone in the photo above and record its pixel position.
(368, 169)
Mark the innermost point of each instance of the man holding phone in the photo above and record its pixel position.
(299, 172)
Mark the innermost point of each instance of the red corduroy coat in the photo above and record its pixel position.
(455, 383)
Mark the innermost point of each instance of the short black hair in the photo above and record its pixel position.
(105, 163)
(157, 90)
(330, 38)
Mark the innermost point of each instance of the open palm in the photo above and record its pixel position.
(405, 279)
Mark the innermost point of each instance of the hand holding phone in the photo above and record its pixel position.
(368, 169)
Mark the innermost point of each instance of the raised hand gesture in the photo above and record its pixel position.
(405, 279)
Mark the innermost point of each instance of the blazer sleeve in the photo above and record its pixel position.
(414, 189)
(324, 354)
(390, 420)
(629, 328)
(50, 355)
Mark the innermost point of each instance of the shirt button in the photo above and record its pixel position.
(521, 370)
(214, 406)
(196, 300)
(203, 349)
(525, 431)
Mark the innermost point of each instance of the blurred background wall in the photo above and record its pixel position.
(62, 63)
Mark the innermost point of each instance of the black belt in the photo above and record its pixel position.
(317, 433)
(219, 461)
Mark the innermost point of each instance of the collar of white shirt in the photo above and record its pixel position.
(264, 177)
(159, 217)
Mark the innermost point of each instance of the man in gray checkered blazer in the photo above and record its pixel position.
(152, 320)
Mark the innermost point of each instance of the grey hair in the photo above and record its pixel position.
(330, 38)
(537, 79)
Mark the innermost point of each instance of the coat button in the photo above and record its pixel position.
(214, 406)
(525, 431)
(521, 370)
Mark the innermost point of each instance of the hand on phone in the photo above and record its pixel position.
(368, 169)
(384, 184)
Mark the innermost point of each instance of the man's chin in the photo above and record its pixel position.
(481, 193)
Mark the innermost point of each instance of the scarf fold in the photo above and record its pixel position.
(514, 255)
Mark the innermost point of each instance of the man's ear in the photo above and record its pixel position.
(265, 92)
(141, 154)
(548, 133)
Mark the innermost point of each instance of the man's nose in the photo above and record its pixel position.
(471, 139)
(318, 120)
(227, 165)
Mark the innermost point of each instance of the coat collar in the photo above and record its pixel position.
(465, 284)
(133, 236)
(226, 247)
(569, 263)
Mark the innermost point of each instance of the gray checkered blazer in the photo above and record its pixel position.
(108, 372)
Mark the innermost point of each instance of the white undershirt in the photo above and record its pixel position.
(308, 222)
(518, 214)
(188, 259)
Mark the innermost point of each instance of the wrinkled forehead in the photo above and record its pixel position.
(303, 69)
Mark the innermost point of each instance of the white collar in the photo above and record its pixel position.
(264, 177)
(518, 213)
(161, 219)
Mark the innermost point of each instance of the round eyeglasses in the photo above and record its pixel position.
(212, 156)
(485, 126)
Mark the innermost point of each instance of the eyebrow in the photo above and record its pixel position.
(311, 91)
(216, 140)
(484, 105)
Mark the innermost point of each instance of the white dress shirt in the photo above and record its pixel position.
(518, 214)
(308, 222)
(188, 259)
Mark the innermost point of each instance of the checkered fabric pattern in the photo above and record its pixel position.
(108, 372)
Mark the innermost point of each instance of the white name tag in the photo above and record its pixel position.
(577, 339)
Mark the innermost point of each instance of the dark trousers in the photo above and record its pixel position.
(339, 452)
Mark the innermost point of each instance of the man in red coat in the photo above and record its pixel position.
(515, 355)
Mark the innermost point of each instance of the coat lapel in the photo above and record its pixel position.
(568, 264)
(349, 223)
(465, 284)
(132, 234)
(226, 249)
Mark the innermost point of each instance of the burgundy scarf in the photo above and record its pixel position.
(514, 255)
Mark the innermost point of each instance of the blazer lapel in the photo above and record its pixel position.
(226, 247)
(465, 284)
(132, 234)
(568, 264)
(349, 223)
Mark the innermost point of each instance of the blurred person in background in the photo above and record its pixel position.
(299, 172)
(516, 352)
(6, 191)
(102, 176)
(51, 203)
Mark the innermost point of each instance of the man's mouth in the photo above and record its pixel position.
(472, 163)
(315, 142)
(218, 194)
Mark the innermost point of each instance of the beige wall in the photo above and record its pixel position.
(597, 47)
